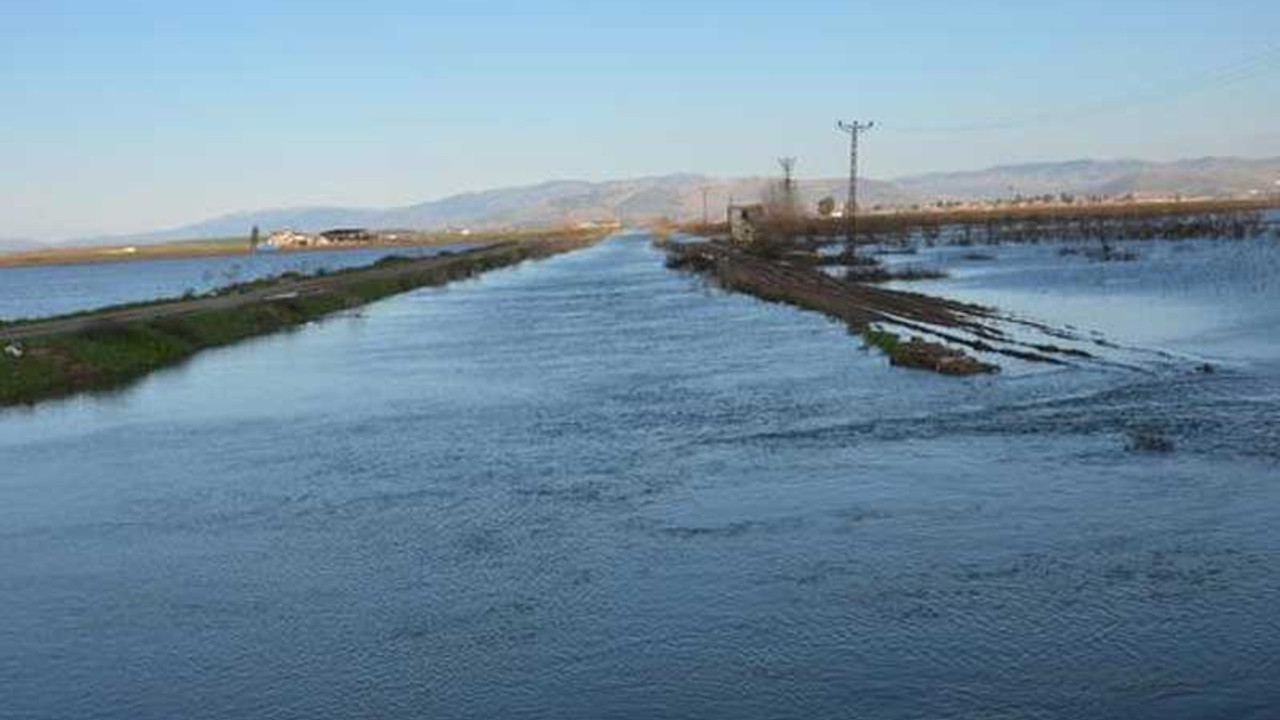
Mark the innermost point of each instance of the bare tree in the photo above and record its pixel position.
(784, 215)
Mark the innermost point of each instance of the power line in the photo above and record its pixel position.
(1238, 71)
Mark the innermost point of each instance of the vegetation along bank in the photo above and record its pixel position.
(868, 311)
(108, 348)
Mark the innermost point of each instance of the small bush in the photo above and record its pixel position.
(886, 341)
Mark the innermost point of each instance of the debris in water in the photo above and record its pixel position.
(1149, 440)
(1110, 254)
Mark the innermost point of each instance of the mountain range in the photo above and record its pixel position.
(681, 196)
(18, 244)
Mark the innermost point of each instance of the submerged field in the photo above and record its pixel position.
(593, 488)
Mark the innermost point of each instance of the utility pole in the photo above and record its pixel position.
(788, 165)
(854, 129)
(788, 204)
(705, 218)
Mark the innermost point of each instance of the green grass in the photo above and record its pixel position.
(886, 341)
(112, 355)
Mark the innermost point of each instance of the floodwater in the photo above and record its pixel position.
(46, 290)
(592, 488)
(1218, 299)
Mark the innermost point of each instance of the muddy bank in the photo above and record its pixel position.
(868, 311)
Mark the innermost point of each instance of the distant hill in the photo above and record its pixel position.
(680, 197)
(1204, 176)
(18, 244)
(674, 196)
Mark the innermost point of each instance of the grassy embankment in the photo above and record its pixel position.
(112, 347)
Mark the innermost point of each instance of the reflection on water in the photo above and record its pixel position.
(591, 488)
(41, 291)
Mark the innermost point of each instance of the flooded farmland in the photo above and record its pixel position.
(46, 290)
(591, 487)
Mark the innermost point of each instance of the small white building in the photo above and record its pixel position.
(290, 239)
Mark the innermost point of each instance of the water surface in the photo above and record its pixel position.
(1220, 298)
(591, 488)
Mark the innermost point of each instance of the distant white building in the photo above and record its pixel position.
(288, 238)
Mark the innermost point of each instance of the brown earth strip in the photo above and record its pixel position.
(863, 306)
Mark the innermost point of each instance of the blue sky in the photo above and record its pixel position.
(128, 116)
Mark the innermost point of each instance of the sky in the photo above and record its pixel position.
(131, 116)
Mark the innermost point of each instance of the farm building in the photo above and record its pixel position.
(346, 235)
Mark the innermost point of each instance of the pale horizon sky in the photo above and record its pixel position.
(134, 116)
